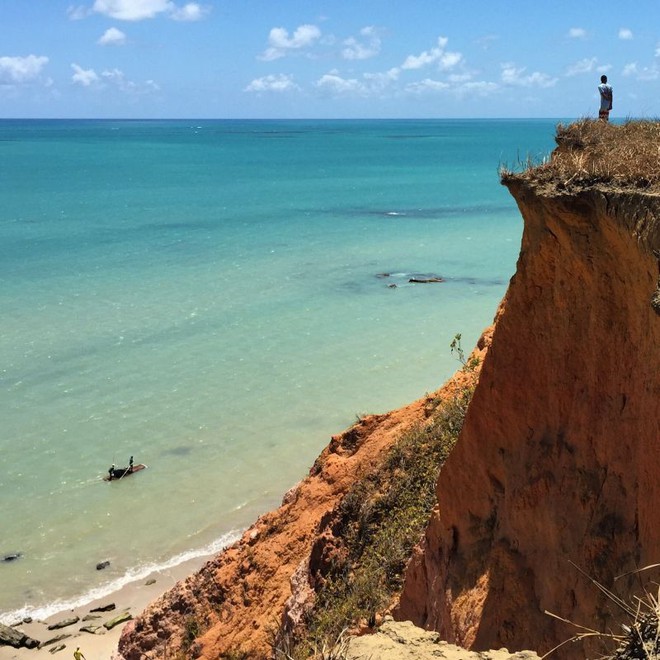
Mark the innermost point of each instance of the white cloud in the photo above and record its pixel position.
(511, 75)
(17, 70)
(357, 50)
(332, 83)
(449, 60)
(426, 57)
(112, 37)
(84, 77)
(586, 65)
(110, 79)
(138, 10)
(577, 33)
(459, 77)
(657, 51)
(272, 83)
(378, 81)
(642, 73)
(459, 88)
(117, 79)
(191, 12)
(132, 10)
(625, 34)
(280, 43)
(445, 59)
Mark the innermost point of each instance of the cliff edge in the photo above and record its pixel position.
(557, 464)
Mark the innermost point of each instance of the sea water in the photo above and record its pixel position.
(216, 299)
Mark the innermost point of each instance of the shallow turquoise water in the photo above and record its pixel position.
(206, 297)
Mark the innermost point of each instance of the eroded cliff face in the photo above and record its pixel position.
(559, 457)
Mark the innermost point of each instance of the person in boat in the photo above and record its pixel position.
(111, 472)
(130, 465)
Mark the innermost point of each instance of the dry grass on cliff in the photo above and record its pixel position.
(381, 519)
(639, 638)
(591, 152)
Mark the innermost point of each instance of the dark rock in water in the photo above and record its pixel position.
(16, 638)
(64, 623)
(121, 618)
(425, 280)
(53, 640)
(412, 278)
(103, 564)
(27, 619)
(12, 556)
(392, 286)
(104, 608)
(150, 582)
(57, 649)
(90, 629)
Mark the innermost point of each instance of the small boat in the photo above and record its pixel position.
(115, 474)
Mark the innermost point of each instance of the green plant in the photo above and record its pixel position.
(191, 631)
(469, 364)
(381, 519)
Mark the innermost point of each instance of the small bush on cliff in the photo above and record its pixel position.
(469, 364)
(595, 152)
(380, 520)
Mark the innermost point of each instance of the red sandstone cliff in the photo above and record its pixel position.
(559, 457)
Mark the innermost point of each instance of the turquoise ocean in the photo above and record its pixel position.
(209, 297)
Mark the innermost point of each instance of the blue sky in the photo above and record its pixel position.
(322, 58)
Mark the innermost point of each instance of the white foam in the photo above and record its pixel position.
(136, 574)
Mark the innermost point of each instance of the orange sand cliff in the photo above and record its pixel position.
(558, 459)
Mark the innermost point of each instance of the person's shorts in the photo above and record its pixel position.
(604, 114)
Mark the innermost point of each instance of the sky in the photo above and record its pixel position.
(327, 58)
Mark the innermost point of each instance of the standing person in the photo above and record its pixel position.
(606, 96)
(78, 654)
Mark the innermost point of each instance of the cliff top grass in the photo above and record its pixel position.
(592, 152)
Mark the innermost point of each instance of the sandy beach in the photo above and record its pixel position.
(102, 645)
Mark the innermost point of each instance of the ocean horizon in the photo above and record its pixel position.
(217, 298)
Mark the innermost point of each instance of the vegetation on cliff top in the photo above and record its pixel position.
(591, 152)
